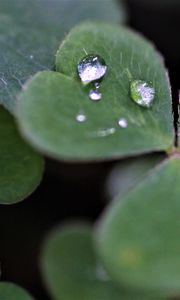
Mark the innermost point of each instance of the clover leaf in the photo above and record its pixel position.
(51, 101)
(30, 33)
(21, 167)
(72, 270)
(9, 291)
(137, 237)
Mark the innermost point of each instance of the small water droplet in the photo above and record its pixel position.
(106, 132)
(97, 85)
(81, 118)
(142, 93)
(102, 133)
(123, 123)
(31, 56)
(95, 95)
(91, 67)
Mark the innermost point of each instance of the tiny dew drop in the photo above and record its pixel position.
(91, 68)
(123, 123)
(97, 85)
(81, 118)
(142, 93)
(102, 133)
(95, 95)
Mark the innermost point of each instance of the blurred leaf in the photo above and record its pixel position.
(71, 269)
(30, 32)
(128, 173)
(51, 101)
(138, 238)
(20, 167)
(9, 291)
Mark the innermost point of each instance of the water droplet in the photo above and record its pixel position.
(106, 132)
(91, 67)
(102, 133)
(31, 56)
(142, 93)
(123, 123)
(95, 95)
(81, 118)
(97, 85)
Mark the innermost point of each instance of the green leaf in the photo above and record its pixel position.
(71, 269)
(30, 32)
(20, 167)
(50, 102)
(128, 173)
(138, 237)
(10, 291)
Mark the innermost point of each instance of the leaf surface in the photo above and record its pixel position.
(56, 99)
(30, 32)
(71, 269)
(20, 167)
(138, 237)
(9, 291)
(128, 173)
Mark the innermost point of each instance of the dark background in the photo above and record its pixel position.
(76, 191)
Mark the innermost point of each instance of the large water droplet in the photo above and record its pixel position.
(123, 123)
(81, 118)
(142, 93)
(95, 95)
(91, 67)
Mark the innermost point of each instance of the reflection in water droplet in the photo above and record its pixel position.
(31, 56)
(81, 118)
(123, 123)
(91, 67)
(95, 95)
(142, 93)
